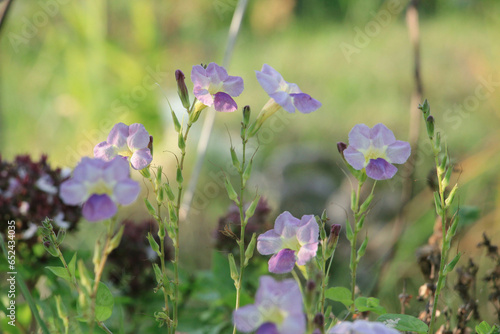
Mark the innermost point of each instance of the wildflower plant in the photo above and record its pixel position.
(370, 153)
(443, 200)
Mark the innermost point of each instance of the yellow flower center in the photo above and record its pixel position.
(100, 188)
(375, 153)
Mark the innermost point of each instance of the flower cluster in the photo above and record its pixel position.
(362, 327)
(29, 193)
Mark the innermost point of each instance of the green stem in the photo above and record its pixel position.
(241, 242)
(354, 261)
(325, 284)
(98, 274)
(175, 300)
(444, 247)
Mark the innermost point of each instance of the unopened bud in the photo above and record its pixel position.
(154, 245)
(333, 240)
(247, 172)
(426, 109)
(319, 320)
(251, 208)
(150, 145)
(234, 158)
(231, 193)
(115, 241)
(145, 172)
(182, 89)
(429, 122)
(246, 116)
(232, 268)
(451, 196)
(341, 146)
(250, 249)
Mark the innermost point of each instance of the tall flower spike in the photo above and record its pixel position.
(277, 309)
(100, 186)
(214, 87)
(292, 240)
(376, 149)
(126, 141)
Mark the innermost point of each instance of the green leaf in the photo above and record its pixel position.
(349, 233)
(60, 272)
(403, 322)
(104, 303)
(485, 328)
(449, 267)
(339, 294)
(371, 304)
(72, 265)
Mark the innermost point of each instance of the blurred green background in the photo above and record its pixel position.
(70, 69)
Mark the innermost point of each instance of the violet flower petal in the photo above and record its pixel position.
(268, 82)
(284, 100)
(247, 318)
(99, 207)
(269, 243)
(380, 169)
(294, 324)
(381, 136)
(282, 262)
(116, 170)
(354, 157)
(268, 328)
(359, 137)
(305, 103)
(126, 191)
(233, 85)
(223, 102)
(138, 137)
(73, 192)
(286, 225)
(398, 152)
(141, 158)
(118, 135)
(309, 231)
(306, 253)
(104, 151)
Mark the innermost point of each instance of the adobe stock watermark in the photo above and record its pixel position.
(30, 25)
(460, 111)
(119, 108)
(372, 29)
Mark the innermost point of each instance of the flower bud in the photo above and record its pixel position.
(181, 142)
(362, 249)
(177, 124)
(319, 320)
(250, 249)
(179, 178)
(426, 109)
(145, 172)
(451, 196)
(333, 239)
(150, 145)
(247, 172)
(341, 146)
(198, 108)
(150, 207)
(246, 116)
(168, 190)
(60, 236)
(231, 193)
(234, 158)
(251, 209)
(182, 89)
(232, 268)
(429, 122)
(115, 241)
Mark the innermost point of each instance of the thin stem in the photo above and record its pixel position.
(103, 327)
(444, 247)
(241, 242)
(162, 260)
(354, 261)
(98, 274)
(325, 284)
(175, 300)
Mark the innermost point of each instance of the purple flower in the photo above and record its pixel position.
(213, 86)
(375, 149)
(287, 95)
(277, 309)
(362, 327)
(292, 240)
(126, 141)
(100, 186)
